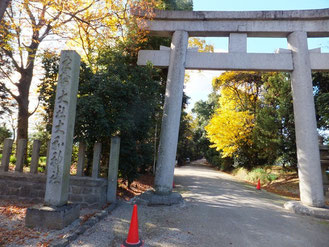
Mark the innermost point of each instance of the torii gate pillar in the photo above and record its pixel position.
(171, 114)
(309, 169)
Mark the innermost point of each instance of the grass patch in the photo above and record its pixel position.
(266, 175)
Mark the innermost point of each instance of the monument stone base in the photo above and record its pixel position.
(52, 217)
(298, 208)
(150, 198)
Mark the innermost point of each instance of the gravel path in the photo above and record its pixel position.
(218, 211)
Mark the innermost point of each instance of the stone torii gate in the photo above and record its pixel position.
(296, 26)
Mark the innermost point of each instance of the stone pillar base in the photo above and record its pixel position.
(150, 198)
(52, 217)
(298, 208)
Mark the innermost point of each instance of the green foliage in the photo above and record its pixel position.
(186, 147)
(321, 98)
(4, 133)
(120, 99)
(178, 4)
(47, 87)
(43, 159)
(42, 164)
(267, 96)
(274, 132)
(203, 111)
(271, 177)
(7, 68)
(12, 159)
(42, 135)
(259, 173)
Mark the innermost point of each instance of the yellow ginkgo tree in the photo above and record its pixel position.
(232, 123)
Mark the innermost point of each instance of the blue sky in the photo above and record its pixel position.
(199, 85)
(236, 5)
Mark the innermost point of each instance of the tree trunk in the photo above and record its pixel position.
(23, 103)
(3, 7)
(23, 119)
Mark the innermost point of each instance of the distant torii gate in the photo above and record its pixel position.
(296, 26)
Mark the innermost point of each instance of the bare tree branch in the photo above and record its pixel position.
(9, 91)
(10, 54)
(8, 76)
(29, 12)
(31, 113)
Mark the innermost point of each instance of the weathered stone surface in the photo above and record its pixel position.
(299, 208)
(75, 198)
(113, 170)
(308, 155)
(92, 221)
(20, 157)
(237, 43)
(72, 236)
(81, 229)
(150, 198)
(311, 14)
(229, 61)
(48, 152)
(60, 154)
(87, 181)
(171, 113)
(27, 186)
(96, 159)
(81, 159)
(52, 217)
(76, 189)
(35, 156)
(60, 243)
(255, 23)
(87, 190)
(281, 61)
(91, 199)
(7, 148)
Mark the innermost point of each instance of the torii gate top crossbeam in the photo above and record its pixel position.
(254, 23)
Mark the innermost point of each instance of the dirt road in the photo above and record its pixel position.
(218, 211)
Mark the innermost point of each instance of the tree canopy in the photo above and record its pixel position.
(88, 24)
(253, 121)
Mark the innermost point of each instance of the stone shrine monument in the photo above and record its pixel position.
(56, 213)
(296, 26)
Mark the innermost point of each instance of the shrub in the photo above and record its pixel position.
(271, 177)
(41, 169)
(43, 159)
(264, 175)
(13, 159)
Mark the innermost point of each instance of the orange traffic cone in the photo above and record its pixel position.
(258, 185)
(133, 239)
